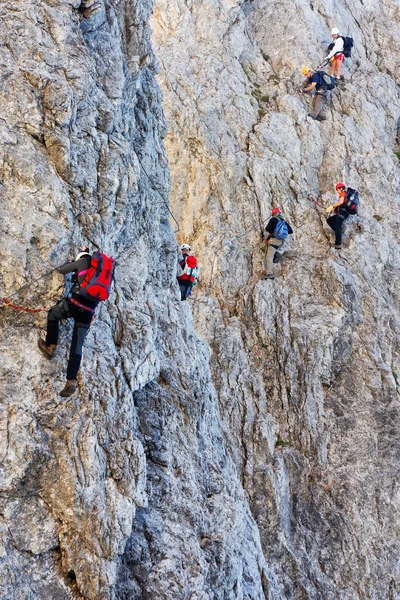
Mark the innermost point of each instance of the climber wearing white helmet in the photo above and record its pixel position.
(189, 271)
(336, 55)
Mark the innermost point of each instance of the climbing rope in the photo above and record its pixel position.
(23, 308)
(6, 300)
(314, 200)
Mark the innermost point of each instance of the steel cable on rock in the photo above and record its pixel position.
(153, 187)
(165, 201)
(7, 304)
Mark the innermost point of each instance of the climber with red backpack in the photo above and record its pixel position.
(92, 278)
(346, 205)
(277, 229)
(189, 272)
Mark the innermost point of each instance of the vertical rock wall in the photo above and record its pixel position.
(82, 161)
(73, 473)
(307, 367)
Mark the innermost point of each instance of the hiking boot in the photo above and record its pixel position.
(320, 118)
(269, 276)
(310, 115)
(338, 246)
(47, 351)
(69, 388)
(278, 257)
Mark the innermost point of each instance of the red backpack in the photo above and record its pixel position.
(189, 269)
(98, 279)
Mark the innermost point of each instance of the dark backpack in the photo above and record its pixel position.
(98, 279)
(328, 80)
(348, 44)
(351, 201)
(281, 230)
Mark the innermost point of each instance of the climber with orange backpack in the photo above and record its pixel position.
(277, 229)
(346, 205)
(92, 279)
(189, 272)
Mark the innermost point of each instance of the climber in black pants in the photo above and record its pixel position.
(336, 220)
(81, 310)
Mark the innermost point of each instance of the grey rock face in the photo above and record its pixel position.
(280, 480)
(74, 162)
(82, 161)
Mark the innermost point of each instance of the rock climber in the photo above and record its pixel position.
(336, 220)
(189, 272)
(277, 230)
(315, 83)
(336, 55)
(81, 310)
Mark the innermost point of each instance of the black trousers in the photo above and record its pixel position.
(335, 222)
(82, 318)
(185, 290)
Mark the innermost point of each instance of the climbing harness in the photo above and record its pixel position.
(81, 306)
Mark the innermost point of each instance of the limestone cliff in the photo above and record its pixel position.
(274, 474)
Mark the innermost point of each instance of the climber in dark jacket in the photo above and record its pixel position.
(316, 84)
(82, 311)
(272, 243)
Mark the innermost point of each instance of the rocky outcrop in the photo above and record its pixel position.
(126, 488)
(82, 160)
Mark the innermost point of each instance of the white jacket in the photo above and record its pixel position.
(338, 47)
